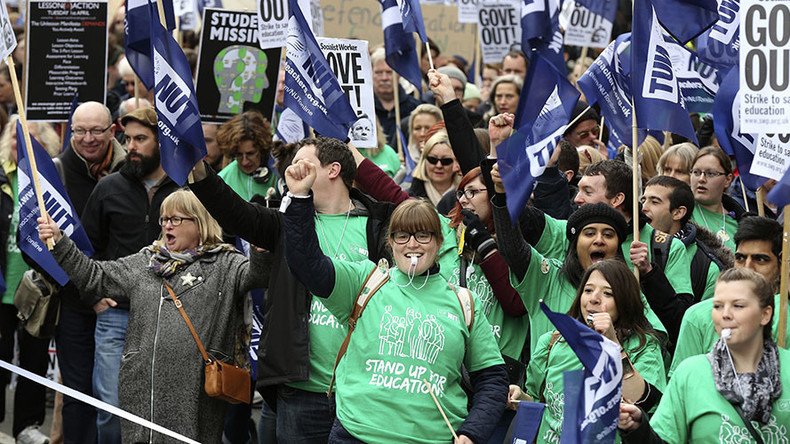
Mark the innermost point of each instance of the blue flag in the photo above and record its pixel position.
(540, 31)
(137, 39)
(181, 141)
(605, 8)
(170, 14)
(698, 80)
(653, 81)
(607, 83)
(290, 128)
(726, 115)
(592, 399)
(719, 45)
(311, 89)
(527, 422)
(548, 101)
(411, 14)
(401, 52)
(683, 19)
(56, 202)
(780, 194)
(67, 135)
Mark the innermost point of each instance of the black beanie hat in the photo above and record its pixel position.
(596, 213)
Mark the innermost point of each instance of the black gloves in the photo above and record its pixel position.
(477, 235)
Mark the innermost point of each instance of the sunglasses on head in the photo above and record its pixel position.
(446, 161)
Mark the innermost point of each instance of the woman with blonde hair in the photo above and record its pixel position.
(677, 160)
(421, 120)
(588, 156)
(161, 375)
(437, 171)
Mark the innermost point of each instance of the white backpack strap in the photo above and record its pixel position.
(467, 302)
(378, 277)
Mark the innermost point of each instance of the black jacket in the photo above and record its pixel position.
(120, 219)
(6, 213)
(284, 350)
(387, 117)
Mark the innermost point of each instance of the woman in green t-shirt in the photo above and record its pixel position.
(735, 392)
(711, 176)
(412, 338)
(608, 301)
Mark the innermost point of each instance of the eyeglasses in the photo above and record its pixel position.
(240, 156)
(402, 237)
(174, 220)
(81, 132)
(445, 161)
(708, 174)
(584, 134)
(469, 193)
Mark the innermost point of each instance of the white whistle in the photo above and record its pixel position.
(726, 333)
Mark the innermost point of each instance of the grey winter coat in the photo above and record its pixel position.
(161, 375)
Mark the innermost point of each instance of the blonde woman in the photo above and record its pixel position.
(677, 160)
(437, 172)
(421, 120)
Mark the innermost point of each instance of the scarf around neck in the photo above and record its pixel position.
(760, 389)
(166, 263)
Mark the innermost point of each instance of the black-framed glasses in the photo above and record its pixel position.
(470, 193)
(174, 220)
(402, 237)
(446, 161)
(709, 174)
(81, 132)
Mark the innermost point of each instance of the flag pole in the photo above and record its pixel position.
(743, 191)
(634, 178)
(439, 406)
(430, 57)
(478, 58)
(760, 201)
(28, 144)
(667, 140)
(136, 92)
(396, 94)
(785, 268)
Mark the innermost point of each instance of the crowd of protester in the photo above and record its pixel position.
(452, 338)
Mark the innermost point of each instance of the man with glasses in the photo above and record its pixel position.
(585, 131)
(93, 154)
(120, 218)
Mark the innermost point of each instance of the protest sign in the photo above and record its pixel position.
(8, 38)
(66, 56)
(764, 61)
(272, 23)
(467, 11)
(584, 28)
(350, 61)
(499, 27)
(182, 7)
(234, 73)
(771, 155)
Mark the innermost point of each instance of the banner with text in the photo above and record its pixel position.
(467, 11)
(234, 73)
(499, 28)
(771, 155)
(583, 27)
(66, 56)
(350, 61)
(764, 61)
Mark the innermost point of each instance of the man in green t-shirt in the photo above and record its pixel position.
(758, 247)
(668, 203)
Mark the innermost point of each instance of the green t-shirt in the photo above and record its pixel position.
(698, 335)
(407, 334)
(547, 367)
(693, 411)
(244, 185)
(554, 244)
(15, 265)
(387, 159)
(348, 242)
(715, 222)
(543, 280)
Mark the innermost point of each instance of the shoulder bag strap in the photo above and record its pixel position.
(757, 437)
(180, 308)
(375, 280)
(467, 302)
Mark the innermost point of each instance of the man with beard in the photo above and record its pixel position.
(120, 218)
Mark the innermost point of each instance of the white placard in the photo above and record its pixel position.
(8, 42)
(585, 28)
(273, 23)
(467, 11)
(182, 7)
(764, 60)
(771, 155)
(350, 61)
(499, 28)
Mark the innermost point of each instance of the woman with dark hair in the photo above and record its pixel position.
(247, 139)
(711, 175)
(608, 301)
(735, 392)
(413, 320)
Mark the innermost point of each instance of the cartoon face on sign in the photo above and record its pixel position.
(240, 75)
(362, 128)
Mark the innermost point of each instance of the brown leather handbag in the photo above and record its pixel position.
(224, 381)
